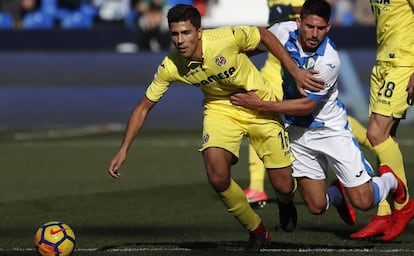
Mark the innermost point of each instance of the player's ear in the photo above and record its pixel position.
(200, 33)
(328, 27)
(298, 22)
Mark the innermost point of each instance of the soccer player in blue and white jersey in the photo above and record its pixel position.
(318, 126)
(214, 61)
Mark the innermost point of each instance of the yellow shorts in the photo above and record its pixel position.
(388, 95)
(267, 135)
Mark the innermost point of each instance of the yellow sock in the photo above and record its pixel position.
(237, 205)
(257, 170)
(384, 208)
(389, 153)
(359, 132)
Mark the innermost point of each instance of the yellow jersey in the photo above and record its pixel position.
(283, 10)
(395, 31)
(270, 3)
(225, 69)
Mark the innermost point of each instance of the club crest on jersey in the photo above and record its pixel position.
(310, 64)
(206, 138)
(220, 61)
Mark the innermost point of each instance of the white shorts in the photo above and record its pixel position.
(316, 149)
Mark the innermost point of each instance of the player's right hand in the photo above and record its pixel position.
(115, 164)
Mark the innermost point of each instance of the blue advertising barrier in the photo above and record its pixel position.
(60, 89)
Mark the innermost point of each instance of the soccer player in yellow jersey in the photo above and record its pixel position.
(391, 94)
(214, 61)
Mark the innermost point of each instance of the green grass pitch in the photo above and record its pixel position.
(162, 204)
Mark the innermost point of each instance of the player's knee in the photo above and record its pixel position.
(282, 181)
(363, 203)
(375, 136)
(316, 209)
(362, 197)
(219, 183)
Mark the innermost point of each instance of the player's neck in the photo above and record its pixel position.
(198, 53)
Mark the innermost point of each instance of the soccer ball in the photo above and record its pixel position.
(54, 238)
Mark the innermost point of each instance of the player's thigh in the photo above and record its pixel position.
(221, 131)
(348, 162)
(313, 193)
(388, 95)
(308, 162)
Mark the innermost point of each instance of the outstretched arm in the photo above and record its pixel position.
(294, 107)
(135, 123)
(304, 78)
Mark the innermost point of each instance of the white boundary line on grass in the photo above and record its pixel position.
(162, 249)
(97, 129)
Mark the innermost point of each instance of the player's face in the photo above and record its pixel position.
(186, 39)
(312, 30)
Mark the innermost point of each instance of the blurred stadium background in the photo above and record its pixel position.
(74, 71)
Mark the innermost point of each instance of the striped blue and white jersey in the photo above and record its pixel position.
(330, 112)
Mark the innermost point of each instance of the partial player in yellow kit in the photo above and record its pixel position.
(391, 94)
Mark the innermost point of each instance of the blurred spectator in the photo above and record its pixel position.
(201, 5)
(342, 12)
(363, 13)
(112, 11)
(171, 3)
(27, 6)
(152, 25)
(69, 4)
(11, 7)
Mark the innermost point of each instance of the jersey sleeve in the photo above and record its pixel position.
(247, 37)
(161, 82)
(328, 71)
(280, 30)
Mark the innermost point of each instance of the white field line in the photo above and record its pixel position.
(98, 129)
(114, 143)
(176, 249)
(157, 143)
(68, 133)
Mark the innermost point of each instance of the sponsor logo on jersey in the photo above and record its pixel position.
(381, 1)
(217, 77)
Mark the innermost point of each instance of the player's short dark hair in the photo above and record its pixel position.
(184, 12)
(319, 8)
